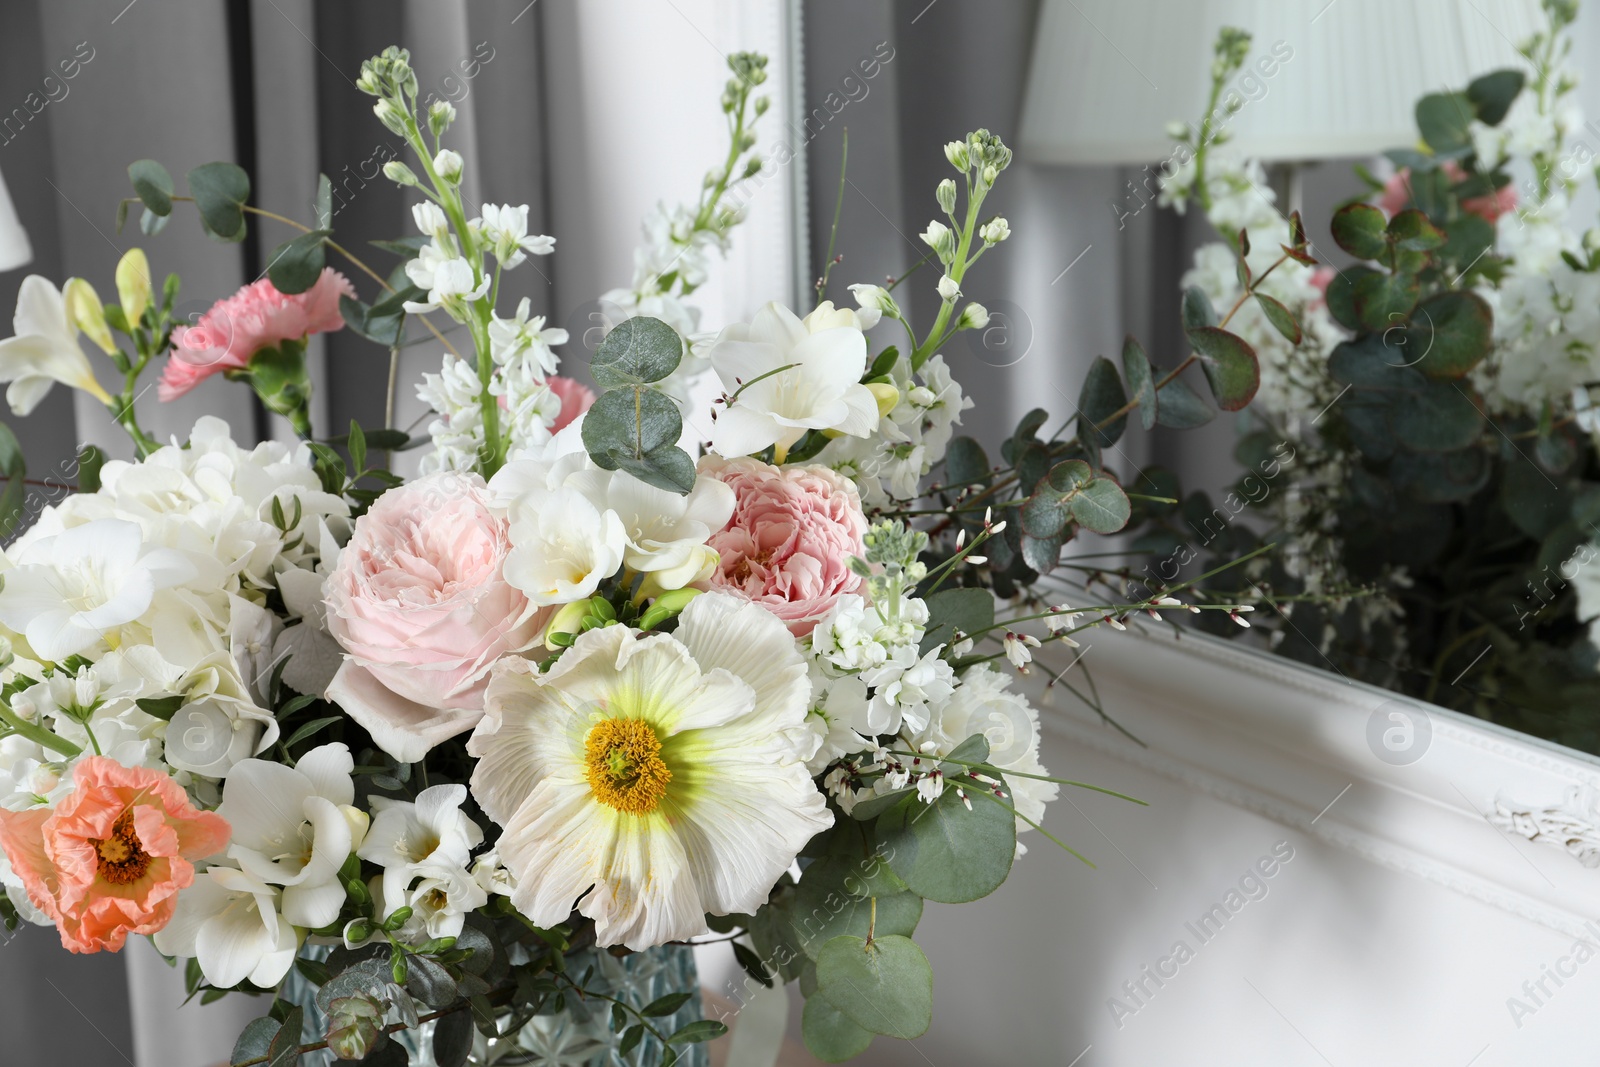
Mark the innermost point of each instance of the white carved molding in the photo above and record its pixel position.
(1292, 743)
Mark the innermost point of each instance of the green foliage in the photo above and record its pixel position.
(14, 469)
(153, 185)
(636, 429)
(829, 1033)
(220, 191)
(637, 351)
(945, 852)
(295, 265)
(884, 985)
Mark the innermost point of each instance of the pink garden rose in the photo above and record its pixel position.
(1396, 195)
(109, 860)
(789, 542)
(256, 317)
(420, 603)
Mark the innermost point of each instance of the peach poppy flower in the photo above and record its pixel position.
(110, 859)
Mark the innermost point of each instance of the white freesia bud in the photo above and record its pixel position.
(447, 165)
(938, 237)
(956, 153)
(973, 317)
(441, 113)
(990, 173)
(875, 298)
(1178, 130)
(399, 173)
(995, 230)
(947, 195)
(948, 289)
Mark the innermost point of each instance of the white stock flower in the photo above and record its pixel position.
(875, 298)
(449, 280)
(786, 380)
(447, 165)
(649, 780)
(431, 220)
(67, 592)
(291, 828)
(510, 338)
(949, 289)
(229, 923)
(45, 349)
(506, 229)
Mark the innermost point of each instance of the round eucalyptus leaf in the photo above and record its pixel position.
(945, 852)
(885, 985)
(829, 1034)
(637, 351)
(220, 191)
(1451, 332)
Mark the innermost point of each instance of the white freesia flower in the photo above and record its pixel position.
(785, 380)
(875, 298)
(431, 220)
(440, 899)
(69, 591)
(666, 532)
(229, 922)
(505, 227)
(405, 836)
(290, 828)
(45, 349)
(648, 780)
(562, 546)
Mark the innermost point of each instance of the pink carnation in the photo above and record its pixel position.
(420, 603)
(789, 542)
(1396, 195)
(109, 860)
(256, 317)
(576, 398)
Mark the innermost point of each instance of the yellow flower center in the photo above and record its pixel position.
(625, 769)
(121, 858)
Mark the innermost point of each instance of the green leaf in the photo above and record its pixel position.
(90, 460)
(324, 203)
(452, 1036)
(698, 1031)
(151, 224)
(966, 463)
(1136, 365)
(665, 1005)
(429, 982)
(1282, 318)
(1385, 300)
(1492, 94)
(14, 468)
(829, 1034)
(296, 264)
(1341, 296)
(1439, 477)
(825, 907)
(356, 445)
(1359, 229)
(1470, 238)
(284, 1051)
(153, 185)
(634, 1034)
(882, 364)
(1440, 418)
(1445, 120)
(946, 853)
(310, 729)
(256, 1039)
(636, 429)
(885, 986)
(1180, 407)
(1452, 331)
(1413, 231)
(1042, 553)
(1101, 395)
(163, 708)
(638, 351)
(1197, 309)
(1533, 503)
(1100, 506)
(969, 610)
(220, 191)
(869, 809)
(1229, 364)
(1376, 362)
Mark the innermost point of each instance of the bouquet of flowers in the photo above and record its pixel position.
(456, 768)
(1437, 402)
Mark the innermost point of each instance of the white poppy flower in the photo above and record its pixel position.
(784, 380)
(229, 922)
(290, 828)
(45, 349)
(69, 590)
(649, 780)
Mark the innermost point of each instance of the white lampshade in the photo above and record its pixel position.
(1109, 75)
(15, 251)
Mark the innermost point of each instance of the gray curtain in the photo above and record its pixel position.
(268, 84)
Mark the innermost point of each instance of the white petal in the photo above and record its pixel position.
(720, 630)
(403, 728)
(313, 905)
(329, 767)
(742, 431)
